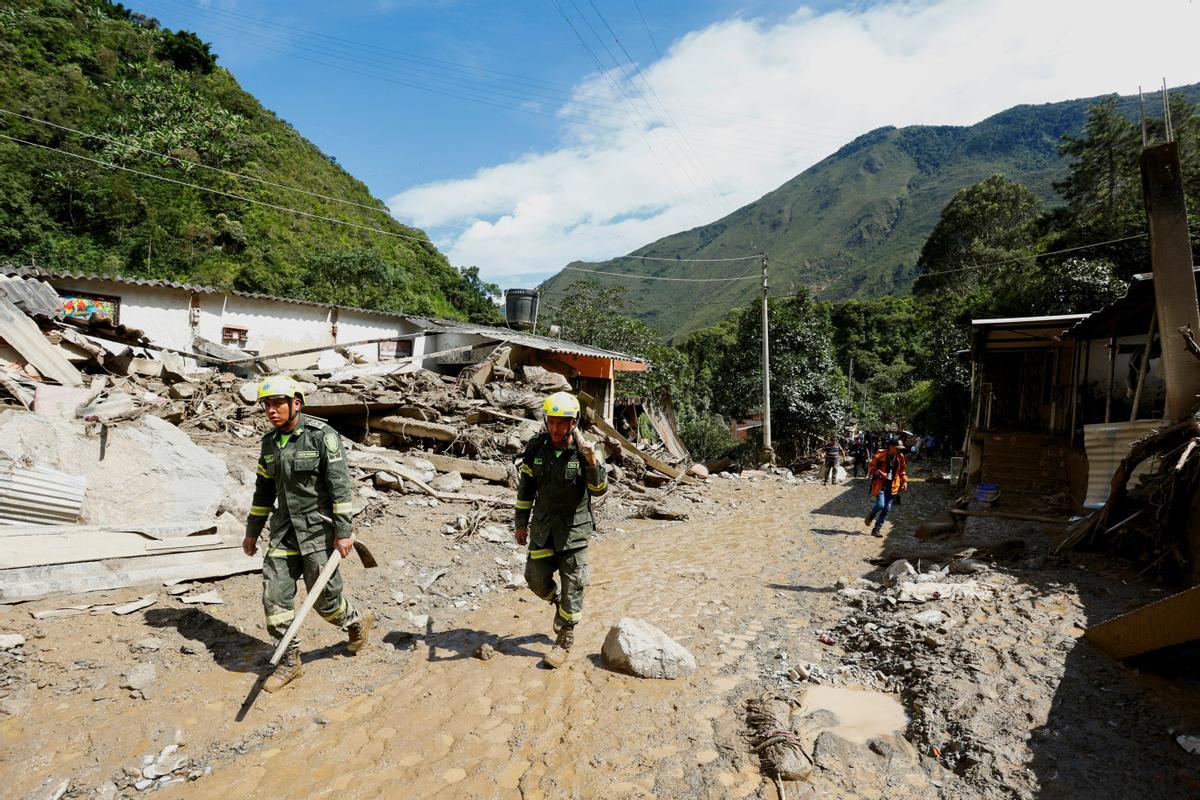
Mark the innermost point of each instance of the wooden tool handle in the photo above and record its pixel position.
(314, 592)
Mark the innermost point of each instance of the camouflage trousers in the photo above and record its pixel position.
(573, 572)
(282, 567)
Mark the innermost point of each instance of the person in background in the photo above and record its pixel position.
(833, 458)
(889, 479)
(858, 453)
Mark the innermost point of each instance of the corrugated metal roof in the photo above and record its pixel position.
(531, 340)
(163, 283)
(429, 325)
(1125, 317)
(39, 495)
(33, 296)
(1033, 321)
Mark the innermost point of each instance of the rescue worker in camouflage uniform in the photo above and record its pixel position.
(560, 474)
(302, 476)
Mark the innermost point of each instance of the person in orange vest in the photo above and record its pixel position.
(889, 479)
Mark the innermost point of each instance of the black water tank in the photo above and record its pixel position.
(520, 308)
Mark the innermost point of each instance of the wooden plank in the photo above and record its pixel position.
(28, 583)
(965, 512)
(1173, 620)
(496, 473)
(64, 548)
(651, 461)
(413, 427)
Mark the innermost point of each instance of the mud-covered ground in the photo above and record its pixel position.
(1004, 697)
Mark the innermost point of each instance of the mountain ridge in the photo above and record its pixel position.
(852, 224)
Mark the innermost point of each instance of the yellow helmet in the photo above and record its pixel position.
(561, 404)
(279, 386)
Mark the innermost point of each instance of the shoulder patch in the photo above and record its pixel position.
(332, 442)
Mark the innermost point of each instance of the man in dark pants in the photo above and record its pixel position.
(889, 479)
(858, 452)
(832, 452)
(560, 474)
(304, 487)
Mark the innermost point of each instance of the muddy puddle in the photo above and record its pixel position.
(862, 715)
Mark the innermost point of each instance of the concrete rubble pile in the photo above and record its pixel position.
(102, 396)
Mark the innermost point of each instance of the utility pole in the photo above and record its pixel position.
(768, 451)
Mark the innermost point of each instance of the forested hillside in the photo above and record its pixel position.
(122, 96)
(853, 225)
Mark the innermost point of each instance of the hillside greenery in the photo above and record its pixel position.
(854, 225)
(893, 362)
(133, 90)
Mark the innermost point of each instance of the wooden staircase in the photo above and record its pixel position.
(1025, 462)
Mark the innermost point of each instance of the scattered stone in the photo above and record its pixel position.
(398, 597)
(136, 605)
(212, 598)
(931, 618)
(898, 571)
(818, 719)
(139, 677)
(968, 566)
(448, 482)
(419, 621)
(150, 645)
(496, 534)
(11, 641)
(924, 592)
(1189, 743)
(485, 652)
(698, 470)
(640, 649)
(188, 649)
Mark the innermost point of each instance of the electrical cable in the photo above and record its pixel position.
(225, 172)
(230, 195)
(658, 278)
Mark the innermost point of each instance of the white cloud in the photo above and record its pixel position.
(751, 104)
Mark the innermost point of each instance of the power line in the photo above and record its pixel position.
(693, 260)
(429, 63)
(649, 35)
(689, 149)
(621, 90)
(218, 170)
(657, 278)
(1036, 256)
(230, 195)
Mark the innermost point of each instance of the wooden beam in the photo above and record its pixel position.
(414, 427)
(496, 473)
(964, 512)
(1173, 620)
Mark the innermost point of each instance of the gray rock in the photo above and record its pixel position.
(106, 791)
(638, 648)
(147, 458)
(931, 618)
(840, 756)
(140, 676)
(897, 572)
(10, 641)
(449, 482)
(150, 645)
(968, 566)
(819, 719)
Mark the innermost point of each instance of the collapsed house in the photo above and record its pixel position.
(105, 485)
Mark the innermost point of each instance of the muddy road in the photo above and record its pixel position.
(747, 585)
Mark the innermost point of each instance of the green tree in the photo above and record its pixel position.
(594, 315)
(990, 221)
(1103, 188)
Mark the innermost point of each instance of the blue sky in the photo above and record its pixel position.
(355, 98)
(490, 125)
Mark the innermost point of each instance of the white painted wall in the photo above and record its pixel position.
(161, 312)
(273, 326)
(354, 325)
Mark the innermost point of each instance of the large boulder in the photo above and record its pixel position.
(639, 648)
(142, 471)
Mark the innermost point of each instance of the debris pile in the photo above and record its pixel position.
(101, 456)
(1156, 522)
